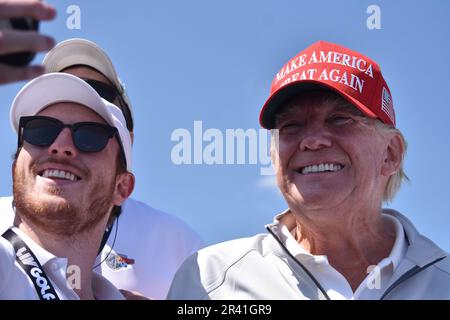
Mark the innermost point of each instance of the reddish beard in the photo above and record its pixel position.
(61, 217)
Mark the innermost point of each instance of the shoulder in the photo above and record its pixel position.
(207, 269)
(6, 213)
(444, 265)
(7, 259)
(6, 252)
(434, 281)
(230, 252)
(135, 209)
(147, 221)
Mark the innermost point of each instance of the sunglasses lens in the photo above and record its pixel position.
(41, 132)
(91, 137)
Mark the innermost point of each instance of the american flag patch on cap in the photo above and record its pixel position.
(386, 104)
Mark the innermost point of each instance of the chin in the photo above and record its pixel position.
(52, 204)
(55, 203)
(312, 198)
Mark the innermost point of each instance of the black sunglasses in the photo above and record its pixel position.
(42, 131)
(111, 93)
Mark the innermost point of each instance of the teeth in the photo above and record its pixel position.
(323, 167)
(70, 176)
(59, 174)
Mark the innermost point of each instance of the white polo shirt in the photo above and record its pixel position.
(333, 282)
(144, 250)
(15, 284)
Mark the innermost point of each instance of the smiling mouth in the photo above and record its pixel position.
(59, 174)
(321, 168)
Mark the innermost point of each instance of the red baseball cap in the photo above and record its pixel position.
(354, 76)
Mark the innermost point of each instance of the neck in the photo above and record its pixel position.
(352, 241)
(79, 249)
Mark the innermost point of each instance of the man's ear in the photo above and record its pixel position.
(124, 187)
(393, 155)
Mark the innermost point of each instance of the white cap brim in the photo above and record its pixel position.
(52, 88)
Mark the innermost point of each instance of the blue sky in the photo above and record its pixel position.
(213, 61)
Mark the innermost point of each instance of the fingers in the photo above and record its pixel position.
(11, 74)
(26, 8)
(12, 41)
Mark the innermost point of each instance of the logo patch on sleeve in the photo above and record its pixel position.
(116, 261)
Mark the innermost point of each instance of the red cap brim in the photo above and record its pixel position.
(284, 94)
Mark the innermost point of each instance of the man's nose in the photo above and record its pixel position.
(63, 145)
(316, 137)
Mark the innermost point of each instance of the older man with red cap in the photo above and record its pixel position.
(337, 156)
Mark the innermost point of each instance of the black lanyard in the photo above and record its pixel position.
(30, 264)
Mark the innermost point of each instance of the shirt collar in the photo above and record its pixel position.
(103, 289)
(287, 223)
(285, 233)
(399, 248)
(41, 254)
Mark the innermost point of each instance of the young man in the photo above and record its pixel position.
(72, 166)
(144, 246)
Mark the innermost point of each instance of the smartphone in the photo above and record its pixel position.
(20, 59)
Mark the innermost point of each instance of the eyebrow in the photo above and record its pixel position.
(346, 108)
(349, 108)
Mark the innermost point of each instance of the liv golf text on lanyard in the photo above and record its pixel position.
(30, 264)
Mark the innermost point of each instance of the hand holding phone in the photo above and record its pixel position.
(19, 38)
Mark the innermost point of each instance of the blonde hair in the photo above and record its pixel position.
(331, 98)
(395, 181)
